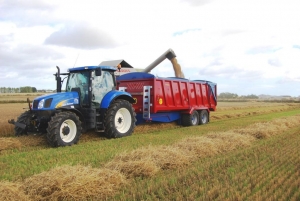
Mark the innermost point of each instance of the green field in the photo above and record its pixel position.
(249, 151)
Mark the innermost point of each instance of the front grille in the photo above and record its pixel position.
(48, 103)
(35, 104)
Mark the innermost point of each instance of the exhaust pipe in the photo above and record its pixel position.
(58, 80)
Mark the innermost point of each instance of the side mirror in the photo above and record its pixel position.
(98, 71)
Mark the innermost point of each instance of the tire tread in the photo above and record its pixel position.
(110, 130)
(53, 130)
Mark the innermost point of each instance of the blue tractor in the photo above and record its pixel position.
(90, 101)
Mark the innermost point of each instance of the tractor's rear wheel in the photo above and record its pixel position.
(190, 119)
(64, 129)
(119, 119)
(24, 119)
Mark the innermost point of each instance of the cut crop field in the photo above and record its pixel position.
(248, 151)
(17, 97)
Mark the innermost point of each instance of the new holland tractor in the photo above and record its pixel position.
(90, 101)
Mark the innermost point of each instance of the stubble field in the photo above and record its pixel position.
(248, 151)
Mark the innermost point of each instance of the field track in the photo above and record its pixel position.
(261, 154)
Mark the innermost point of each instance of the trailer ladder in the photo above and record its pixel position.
(146, 102)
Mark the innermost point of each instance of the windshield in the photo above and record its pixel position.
(79, 81)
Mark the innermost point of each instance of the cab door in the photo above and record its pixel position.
(101, 85)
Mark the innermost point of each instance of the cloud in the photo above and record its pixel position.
(275, 62)
(228, 32)
(81, 36)
(262, 49)
(177, 33)
(25, 54)
(27, 13)
(216, 62)
(198, 2)
(289, 80)
(28, 4)
(231, 42)
(296, 46)
(230, 72)
(30, 65)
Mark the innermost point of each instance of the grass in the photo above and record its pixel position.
(145, 163)
(23, 162)
(166, 162)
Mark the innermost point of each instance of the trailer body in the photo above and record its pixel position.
(167, 99)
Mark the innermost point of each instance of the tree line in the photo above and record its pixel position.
(26, 89)
(227, 95)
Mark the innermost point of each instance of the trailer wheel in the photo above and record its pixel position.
(64, 129)
(24, 119)
(119, 120)
(203, 117)
(190, 119)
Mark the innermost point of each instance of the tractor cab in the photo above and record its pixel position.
(91, 83)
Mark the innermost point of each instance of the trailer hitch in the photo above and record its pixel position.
(18, 124)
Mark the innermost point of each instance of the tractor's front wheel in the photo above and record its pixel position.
(64, 129)
(119, 120)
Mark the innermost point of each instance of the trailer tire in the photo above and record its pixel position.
(190, 119)
(119, 120)
(24, 118)
(64, 129)
(203, 117)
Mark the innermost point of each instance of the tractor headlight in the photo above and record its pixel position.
(41, 104)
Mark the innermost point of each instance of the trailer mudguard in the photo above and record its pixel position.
(113, 95)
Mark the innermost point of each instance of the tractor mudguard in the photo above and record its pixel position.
(74, 110)
(113, 95)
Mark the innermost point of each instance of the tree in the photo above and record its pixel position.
(251, 96)
(227, 95)
(33, 89)
(26, 89)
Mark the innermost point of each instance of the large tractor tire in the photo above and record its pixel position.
(119, 119)
(204, 117)
(190, 119)
(24, 119)
(64, 129)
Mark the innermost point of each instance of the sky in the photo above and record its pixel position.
(245, 46)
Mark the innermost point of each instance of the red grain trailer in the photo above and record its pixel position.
(169, 99)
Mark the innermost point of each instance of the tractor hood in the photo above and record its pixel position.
(57, 100)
